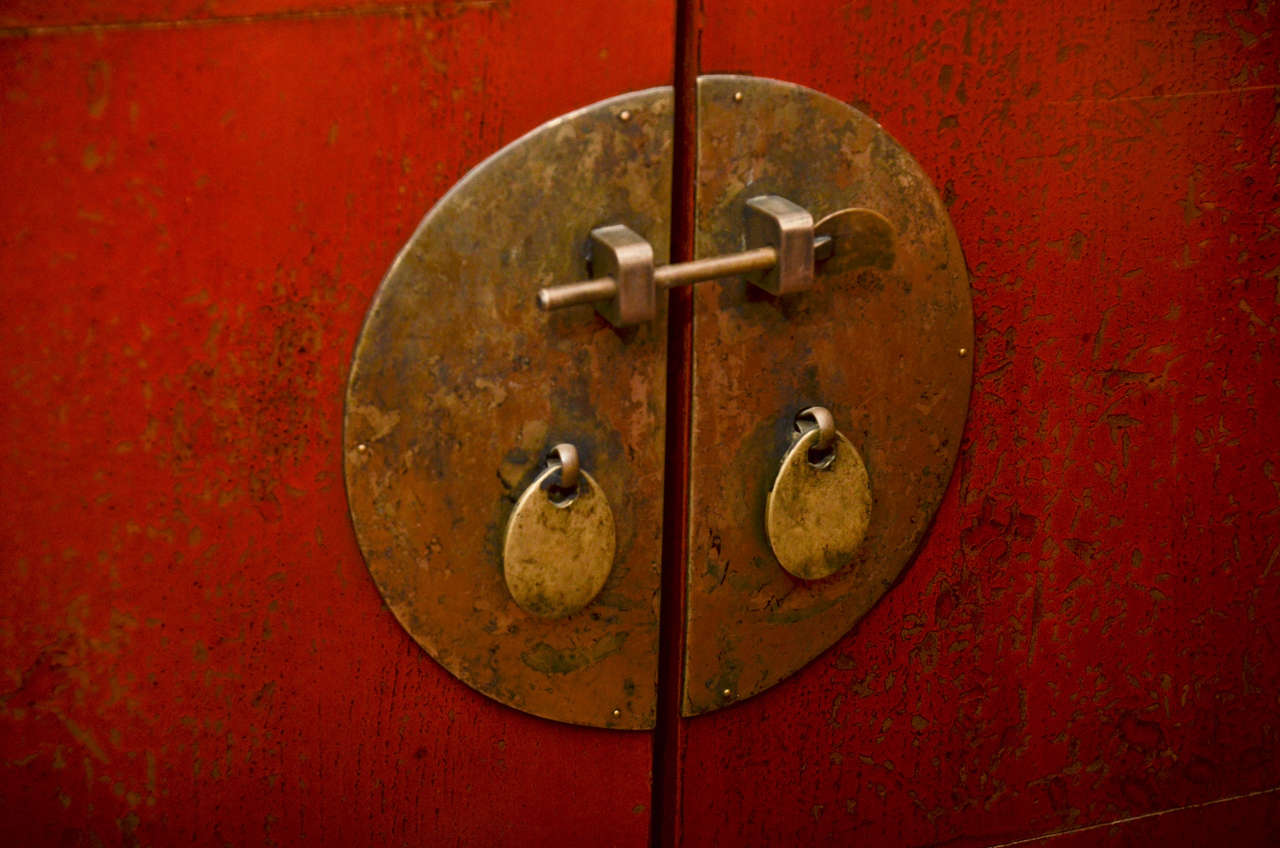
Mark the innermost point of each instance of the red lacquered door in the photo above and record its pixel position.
(199, 200)
(1087, 640)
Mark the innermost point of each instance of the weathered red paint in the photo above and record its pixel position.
(95, 15)
(199, 199)
(1252, 819)
(1090, 632)
(193, 221)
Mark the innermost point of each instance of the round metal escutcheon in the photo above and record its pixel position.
(558, 550)
(881, 339)
(818, 509)
(459, 385)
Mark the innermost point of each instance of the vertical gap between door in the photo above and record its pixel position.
(668, 737)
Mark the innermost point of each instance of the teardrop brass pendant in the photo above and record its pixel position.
(819, 508)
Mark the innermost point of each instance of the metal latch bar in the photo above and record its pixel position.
(779, 258)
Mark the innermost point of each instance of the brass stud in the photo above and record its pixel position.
(737, 97)
(727, 692)
(624, 115)
(964, 351)
(617, 713)
(362, 447)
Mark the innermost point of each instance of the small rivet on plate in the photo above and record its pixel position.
(617, 713)
(964, 351)
(727, 692)
(737, 97)
(624, 115)
(362, 447)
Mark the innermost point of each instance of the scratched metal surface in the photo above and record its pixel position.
(460, 386)
(1090, 631)
(885, 349)
(194, 222)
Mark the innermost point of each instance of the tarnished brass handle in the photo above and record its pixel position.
(783, 247)
(819, 507)
(558, 548)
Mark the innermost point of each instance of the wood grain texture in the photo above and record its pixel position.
(1090, 631)
(193, 224)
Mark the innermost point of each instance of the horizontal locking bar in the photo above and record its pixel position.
(784, 247)
(577, 294)
(779, 258)
(676, 275)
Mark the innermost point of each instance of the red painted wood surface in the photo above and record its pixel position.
(1090, 632)
(95, 15)
(193, 221)
(199, 199)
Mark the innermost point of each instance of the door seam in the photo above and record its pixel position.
(666, 803)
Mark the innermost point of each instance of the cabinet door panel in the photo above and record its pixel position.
(194, 221)
(1089, 630)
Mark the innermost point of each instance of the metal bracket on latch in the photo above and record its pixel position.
(780, 255)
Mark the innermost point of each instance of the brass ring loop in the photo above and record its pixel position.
(823, 421)
(565, 455)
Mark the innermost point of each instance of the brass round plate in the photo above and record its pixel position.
(881, 340)
(460, 384)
